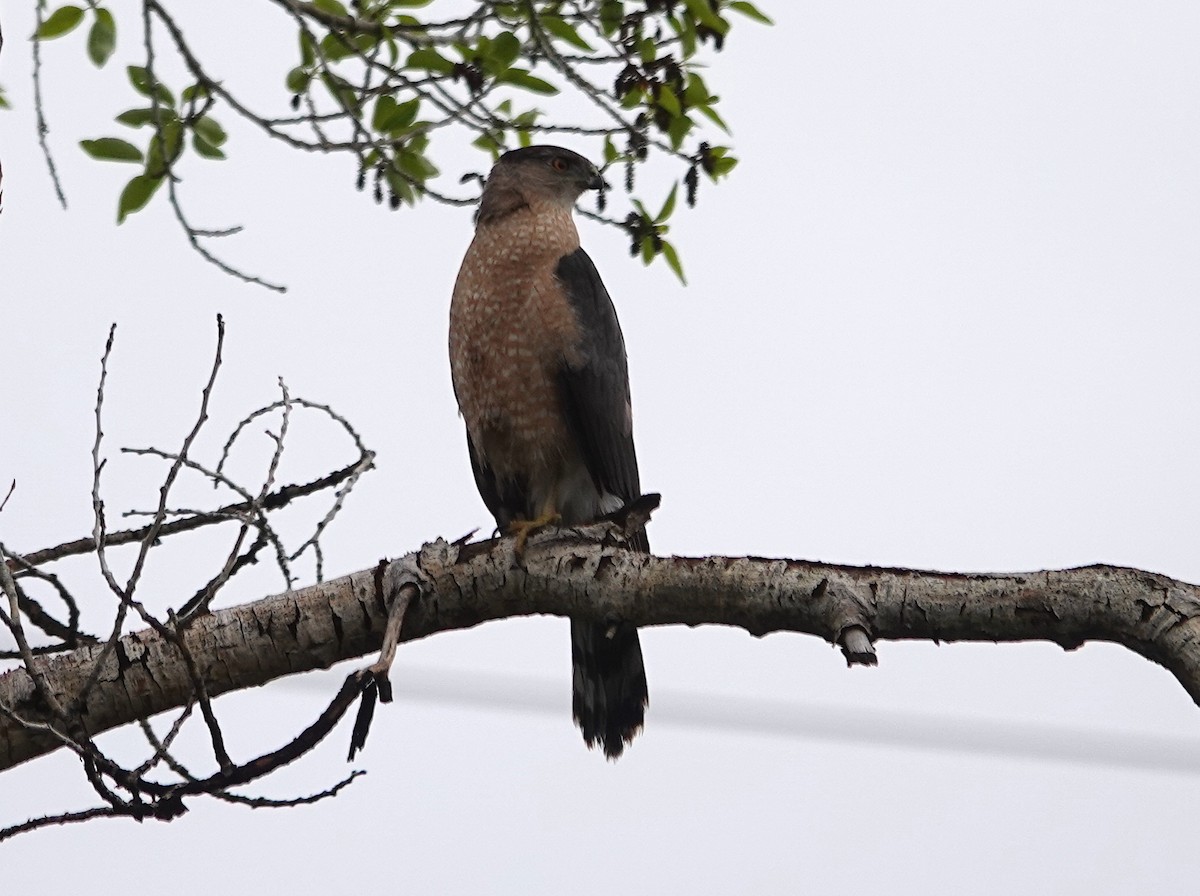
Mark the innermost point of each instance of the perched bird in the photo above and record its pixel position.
(539, 369)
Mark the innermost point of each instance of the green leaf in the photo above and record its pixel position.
(429, 59)
(204, 149)
(667, 100)
(633, 98)
(711, 114)
(687, 37)
(696, 91)
(335, 47)
(526, 120)
(668, 206)
(612, 14)
(210, 130)
(331, 6)
(308, 52)
(393, 49)
(415, 165)
(406, 114)
(647, 249)
(136, 118)
(135, 195)
(488, 143)
(703, 13)
(111, 149)
(385, 106)
(565, 31)
(166, 143)
(102, 37)
(194, 93)
(139, 77)
(679, 128)
(4, 104)
(391, 117)
(611, 153)
(399, 186)
(720, 163)
(503, 52)
(341, 91)
(518, 77)
(60, 22)
(672, 257)
(298, 80)
(750, 11)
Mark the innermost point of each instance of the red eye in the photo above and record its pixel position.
(558, 164)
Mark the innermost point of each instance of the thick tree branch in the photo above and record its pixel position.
(584, 573)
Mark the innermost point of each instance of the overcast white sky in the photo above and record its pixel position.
(944, 315)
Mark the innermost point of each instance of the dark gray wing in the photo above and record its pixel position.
(507, 501)
(608, 692)
(595, 391)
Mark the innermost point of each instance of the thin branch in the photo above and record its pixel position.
(253, 505)
(162, 747)
(264, 803)
(201, 693)
(192, 234)
(203, 598)
(172, 474)
(125, 592)
(65, 818)
(68, 632)
(275, 501)
(12, 620)
(43, 129)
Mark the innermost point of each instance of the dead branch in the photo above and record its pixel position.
(276, 500)
(584, 573)
(129, 792)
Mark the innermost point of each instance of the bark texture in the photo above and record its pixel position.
(584, 573)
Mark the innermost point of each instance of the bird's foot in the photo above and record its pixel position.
(522, 529)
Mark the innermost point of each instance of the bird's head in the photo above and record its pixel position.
(537, 174)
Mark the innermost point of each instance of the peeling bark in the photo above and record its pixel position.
(583, 573)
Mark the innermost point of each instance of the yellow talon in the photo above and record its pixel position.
(522, 529)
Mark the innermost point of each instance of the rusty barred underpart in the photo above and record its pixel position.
(585, 573)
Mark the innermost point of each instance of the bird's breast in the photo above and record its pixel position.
(511, 330)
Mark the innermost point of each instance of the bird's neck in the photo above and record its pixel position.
(533, 228)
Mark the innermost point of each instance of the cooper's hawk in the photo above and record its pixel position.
(539, 370)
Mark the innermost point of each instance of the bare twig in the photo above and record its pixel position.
(202, 599)
(275, 501)
(202, 699)
(62, 819)
(162, 747)
(39, 106)
(59, 711)
(12, 620)
(264, 803)
(68, 633)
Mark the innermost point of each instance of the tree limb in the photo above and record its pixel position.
(583, 573)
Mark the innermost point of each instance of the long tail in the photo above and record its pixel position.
(608, 684)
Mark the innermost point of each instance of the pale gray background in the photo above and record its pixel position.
(944, 315)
